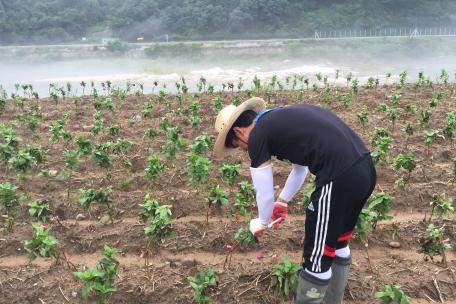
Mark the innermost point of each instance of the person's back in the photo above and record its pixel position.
(309, 136)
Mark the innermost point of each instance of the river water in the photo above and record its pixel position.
(216, 69)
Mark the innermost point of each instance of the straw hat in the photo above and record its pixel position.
(226, 119)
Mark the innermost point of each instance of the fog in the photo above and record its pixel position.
(219, 67)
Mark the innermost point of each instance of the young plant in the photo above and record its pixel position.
(449, 125)
(174, 142)
(84, 144)
(441, 206)
(434, 243)
(201, 144)
(309, 188)
(363, 117)
(217, 197)
(9, 201)
(154, 168)
(217, 104)
(393, 114)
(405, 161)
(430, 136)
(285, 278)
(230, 172)
(377, 209)
(114, 129)
(202, 283)
(244, 237)
(100, 280)
(99, 196)
(425, 116)
(244, 198)
(392, 294)
(21, 162)
(382, 147)
(148, 107)
(40, 209)
(159, 223)
(197, 168)
(41, 244)
(411, 108)
(345, 99)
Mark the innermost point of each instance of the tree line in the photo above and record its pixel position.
(56, 21)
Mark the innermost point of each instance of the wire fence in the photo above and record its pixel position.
(387, 32)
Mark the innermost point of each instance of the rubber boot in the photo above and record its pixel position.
(311, 290)
(340, 269)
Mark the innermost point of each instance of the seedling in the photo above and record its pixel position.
(202, 283)
(377, 209)
(100, 280)
(363, 117)
(148, 107)
(430, 136)
(197, 168)
(392, 294)
(217, 103)
(174, 142)
(405, 161)
(434, 244)
(9, 201)
(345, 99)
(393, 115)
(411, 108)
(217, 197)
(159, 225)
(84, 144)
(449, 125)
(245, 237)
(244, 198)
(201, 144)
(154, 168)
(382, 147)
(230, 172)
(285, 278)
(441, 206)
(21, 162)
(101, 196)
(425, 116)
(309, 188)
(40, 209)
(41, 244)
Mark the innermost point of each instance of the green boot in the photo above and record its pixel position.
(311, 290)
(340, 269)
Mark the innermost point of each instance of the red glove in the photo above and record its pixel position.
(280, 211)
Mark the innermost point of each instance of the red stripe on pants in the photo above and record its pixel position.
(329, 251)
(344, 236)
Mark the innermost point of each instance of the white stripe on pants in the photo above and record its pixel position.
(321, 227)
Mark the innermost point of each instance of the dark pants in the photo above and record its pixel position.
(333, 212)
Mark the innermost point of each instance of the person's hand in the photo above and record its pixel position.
(256, 228)
(280, 213)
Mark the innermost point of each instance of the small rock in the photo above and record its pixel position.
(80, 217)
(394, 244)
(61, 178)
(104, 220)
(53, 173)
(74, 294)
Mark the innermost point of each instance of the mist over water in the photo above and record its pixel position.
(218, 69)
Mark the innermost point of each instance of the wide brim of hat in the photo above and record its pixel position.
(220, 150)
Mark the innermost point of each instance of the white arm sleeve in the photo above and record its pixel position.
(262, 180)
(294, 182)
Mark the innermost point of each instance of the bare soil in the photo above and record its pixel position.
(196, 244)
